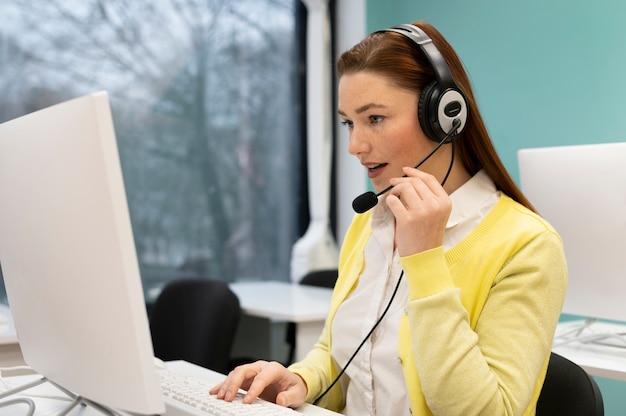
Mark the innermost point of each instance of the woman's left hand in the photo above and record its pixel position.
(421, 207)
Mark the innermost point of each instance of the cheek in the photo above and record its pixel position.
(411, 145)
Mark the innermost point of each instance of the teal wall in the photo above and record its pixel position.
(545, 73)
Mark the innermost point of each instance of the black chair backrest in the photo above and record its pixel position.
(569, 390)
(195, 320)
(321, 278)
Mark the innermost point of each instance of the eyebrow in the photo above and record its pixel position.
(364, 108)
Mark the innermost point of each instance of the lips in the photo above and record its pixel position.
(374, 169)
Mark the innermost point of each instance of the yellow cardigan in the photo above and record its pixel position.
(478, 325)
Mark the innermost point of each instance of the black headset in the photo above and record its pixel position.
(442, 101)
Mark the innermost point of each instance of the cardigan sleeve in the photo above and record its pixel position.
(496, 368)
(317, 371)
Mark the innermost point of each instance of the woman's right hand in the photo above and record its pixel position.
(268, 380)
(421, 208)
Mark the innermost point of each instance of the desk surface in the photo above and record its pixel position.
(602, 358)
(282, 300)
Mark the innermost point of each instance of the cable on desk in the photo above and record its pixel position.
(593, 339)
(584, 333)
(21, 400)
(10, 389)
(72, 405)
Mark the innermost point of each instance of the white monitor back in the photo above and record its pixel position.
(68, 256)
(581, 191)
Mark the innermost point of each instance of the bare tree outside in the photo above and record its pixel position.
(204, 100)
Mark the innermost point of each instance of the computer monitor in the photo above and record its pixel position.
(68, 256)
(581, 191)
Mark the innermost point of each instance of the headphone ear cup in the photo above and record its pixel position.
(425, 112)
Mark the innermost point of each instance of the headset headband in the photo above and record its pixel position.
(442, 108)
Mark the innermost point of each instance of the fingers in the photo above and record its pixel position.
(294, 394)
(421, 208)
(290, 398)
(423, 186)
(277, 384)
(417, 194)
(239, 378)
(269, 380)
(269, 374)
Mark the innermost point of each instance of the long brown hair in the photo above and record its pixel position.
(396, 57)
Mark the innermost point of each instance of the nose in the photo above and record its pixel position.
(358, 142)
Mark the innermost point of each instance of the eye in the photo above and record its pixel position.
(347, 123)
(376, 119)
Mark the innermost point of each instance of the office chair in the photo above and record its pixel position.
(195, 320)
(319, 278)
(569, 391)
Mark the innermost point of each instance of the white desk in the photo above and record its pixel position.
(53, 406)
(306, 306)
(604, 358)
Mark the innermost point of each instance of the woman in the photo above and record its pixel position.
(450, 288)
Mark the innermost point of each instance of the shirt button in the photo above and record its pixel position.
(406, 311)
(400, 360)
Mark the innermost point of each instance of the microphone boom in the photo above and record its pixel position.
(369, 199)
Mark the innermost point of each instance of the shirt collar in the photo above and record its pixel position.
(470, 197)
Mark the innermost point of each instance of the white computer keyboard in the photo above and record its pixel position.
(187, 395)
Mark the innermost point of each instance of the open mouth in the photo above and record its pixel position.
(374, 168)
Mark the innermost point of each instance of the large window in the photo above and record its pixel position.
(206, 100)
